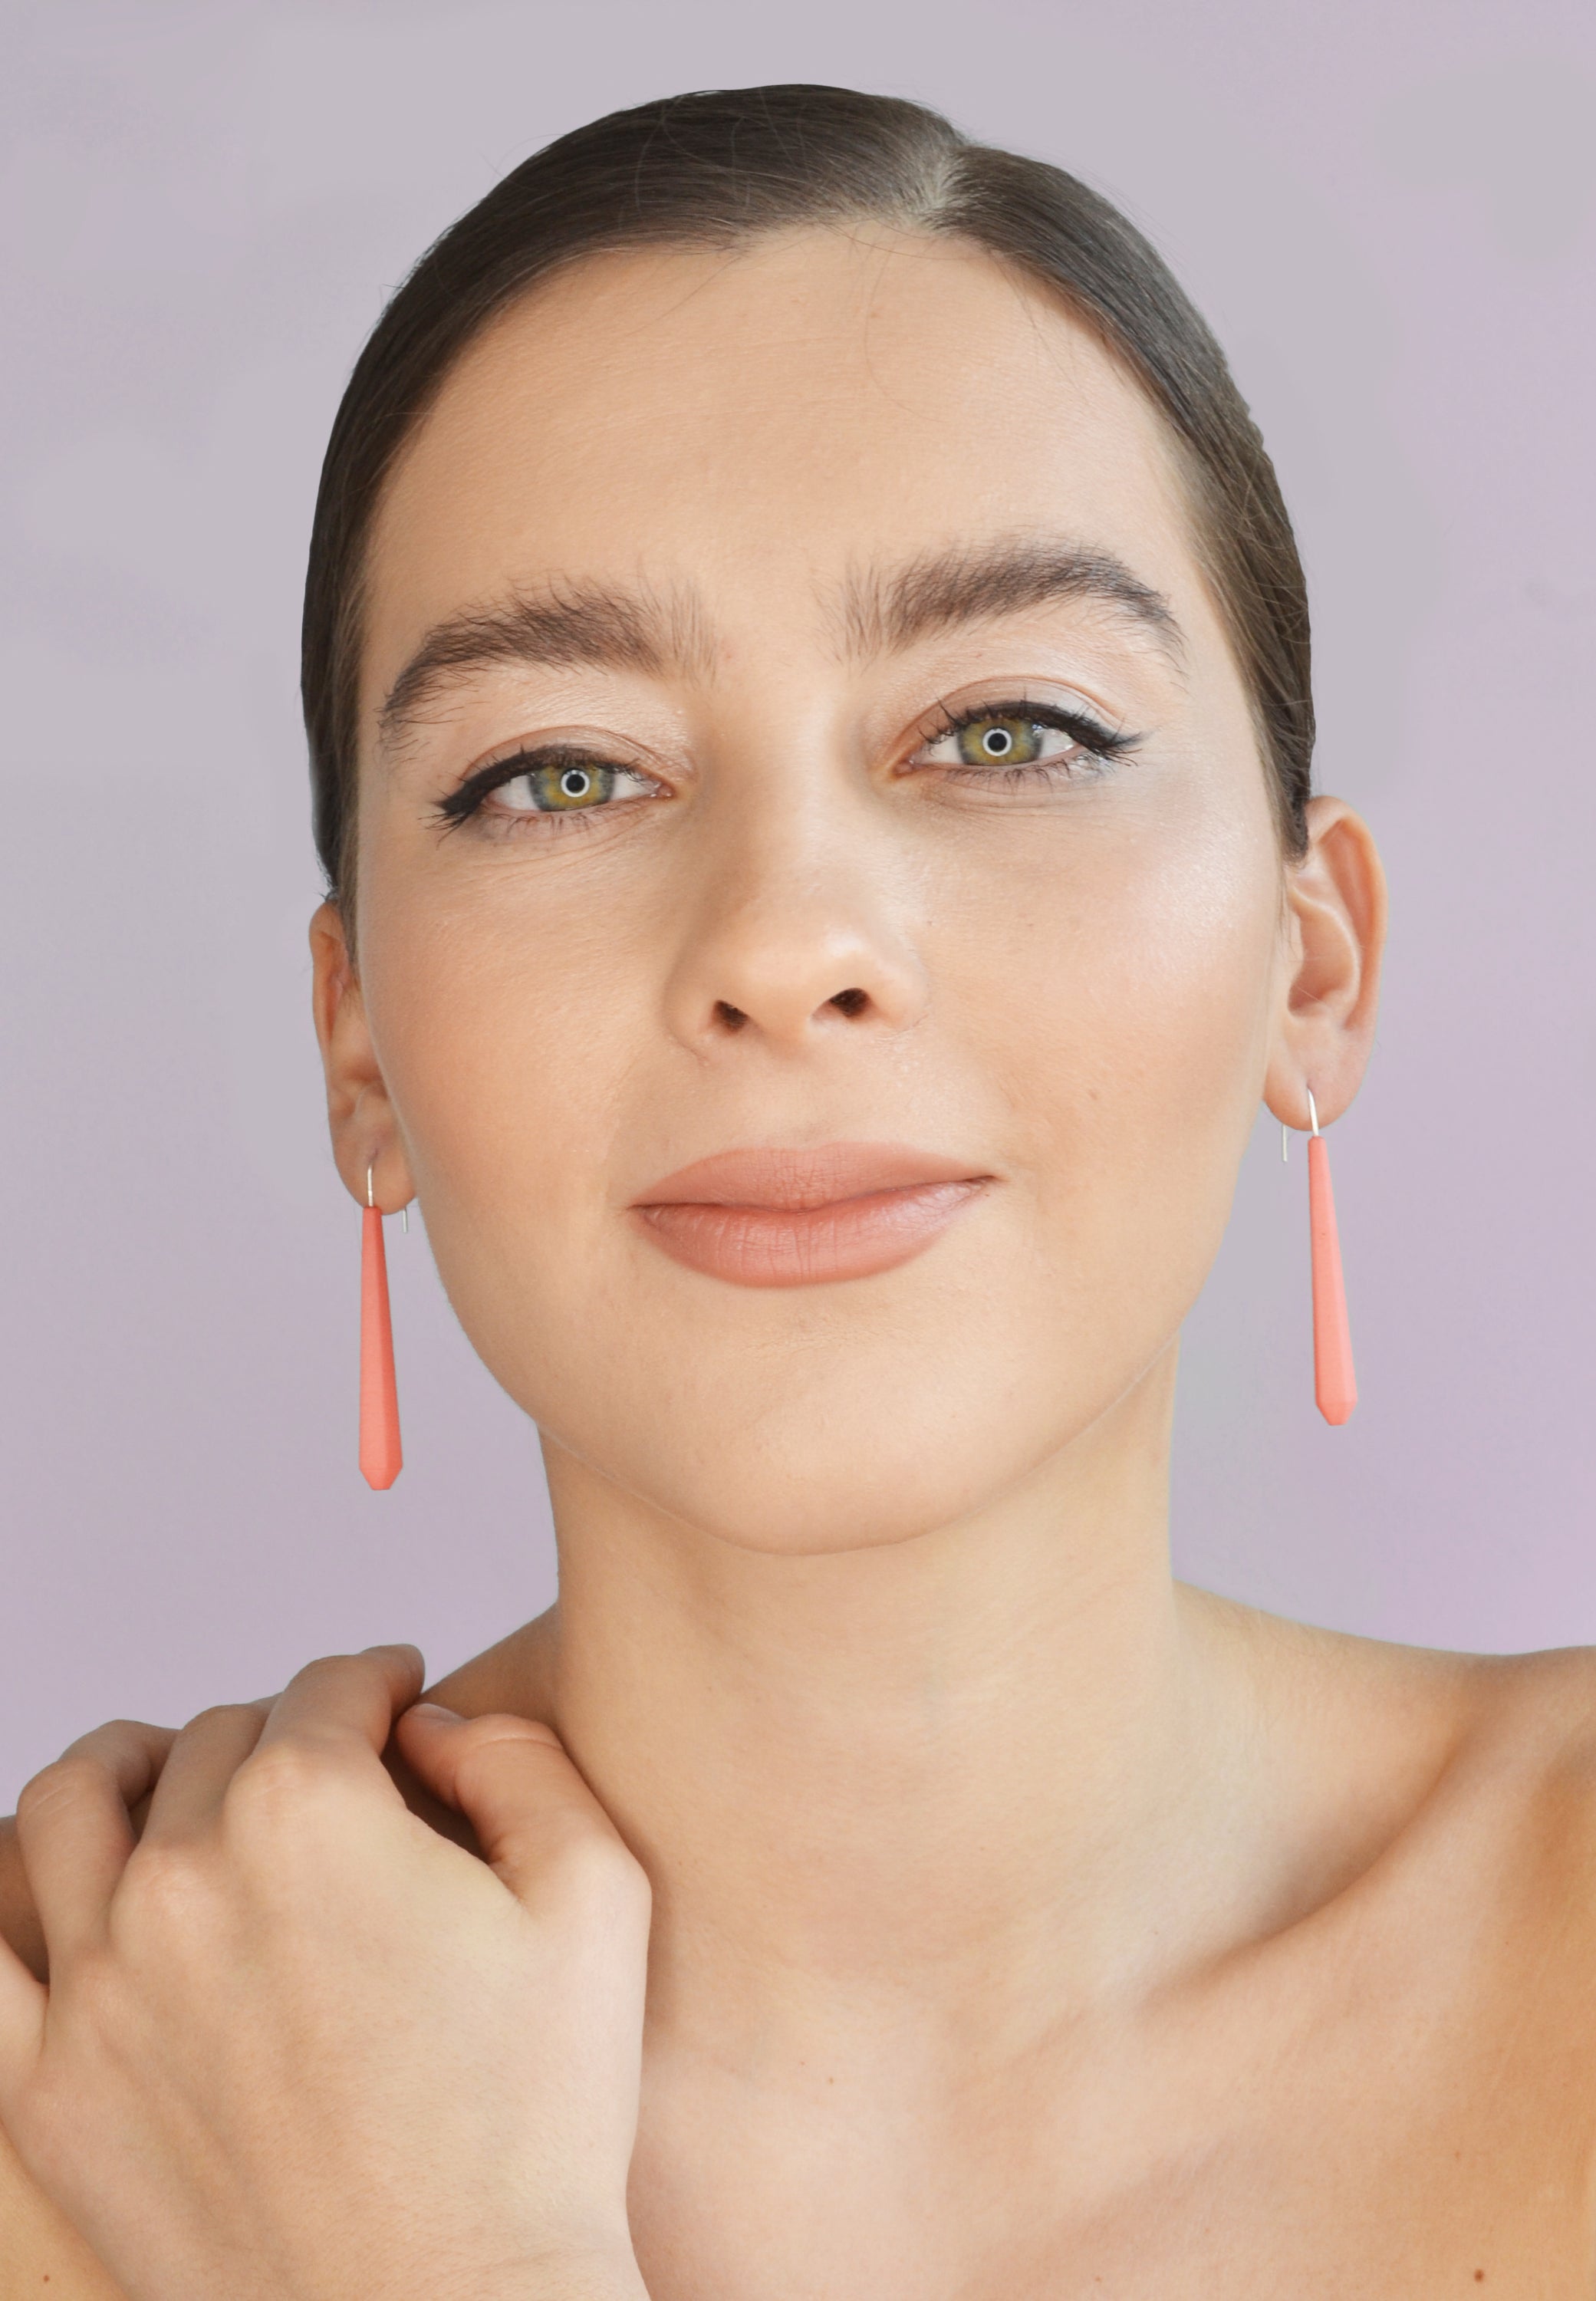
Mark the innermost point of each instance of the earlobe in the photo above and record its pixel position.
(1325, 1027)
(360, 1116)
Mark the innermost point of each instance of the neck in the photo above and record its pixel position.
(978, 1760)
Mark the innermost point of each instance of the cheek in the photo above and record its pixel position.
(506, 1032)
(1118, 999)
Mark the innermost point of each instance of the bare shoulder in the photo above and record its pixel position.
(1529, 1762)
(1550, 1697)
(1501, 1752)
(1452, 1787)
(1471, 1718)
(514, 1675)
(1514, 1868)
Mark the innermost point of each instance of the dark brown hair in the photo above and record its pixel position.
(715, 168)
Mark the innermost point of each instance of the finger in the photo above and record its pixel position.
(537, 1820)
(345, 1705)
(19, 1916)
(203, 1761)
(75, 1832)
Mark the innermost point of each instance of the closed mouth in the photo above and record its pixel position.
(774, 1216)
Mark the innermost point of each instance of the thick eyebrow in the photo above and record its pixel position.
(644, 630)
(969, 583)
(586, 624)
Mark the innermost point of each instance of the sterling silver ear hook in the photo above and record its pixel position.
(1285, 1132)
(403, 1210)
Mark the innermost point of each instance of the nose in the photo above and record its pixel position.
(794, 936)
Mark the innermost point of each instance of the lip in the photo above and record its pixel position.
(807, 1218)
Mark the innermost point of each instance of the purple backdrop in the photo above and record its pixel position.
(1387, 212)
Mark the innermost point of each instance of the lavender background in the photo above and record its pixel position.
(1387, 211)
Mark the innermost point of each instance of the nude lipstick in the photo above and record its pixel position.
(809, 1218)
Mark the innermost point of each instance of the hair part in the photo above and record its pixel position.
(716, 168)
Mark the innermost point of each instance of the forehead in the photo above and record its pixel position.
(759, 424)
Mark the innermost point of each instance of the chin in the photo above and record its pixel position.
(814, 1421)
(805, 1478)
(774, 1508)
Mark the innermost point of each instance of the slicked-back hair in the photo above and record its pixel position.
(715, 169)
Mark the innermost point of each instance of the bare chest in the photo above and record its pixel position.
(1405, 2150)
(1277, 2140)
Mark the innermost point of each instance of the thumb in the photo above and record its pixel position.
(541, 1827)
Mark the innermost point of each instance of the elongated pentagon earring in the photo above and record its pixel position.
(1335, 1383)
(381, 1459)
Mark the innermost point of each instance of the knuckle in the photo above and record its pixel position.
(495, 1726)
(484, 1743)
(221, 1718)
(483, 1762)
(375, 1664)
(382, 1657)
(283, 1784)
(168, 1885)
(329, 1671)
(118, 1738)
(64, 1782)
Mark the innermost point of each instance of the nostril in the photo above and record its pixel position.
(850, 1002)
(730, 1018)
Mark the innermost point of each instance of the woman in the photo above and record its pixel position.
(807, 671)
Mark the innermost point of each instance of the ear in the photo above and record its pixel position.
(1335, 899)
(359, 1115)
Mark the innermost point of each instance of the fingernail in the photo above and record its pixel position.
(436, 1709)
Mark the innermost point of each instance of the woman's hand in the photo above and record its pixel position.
(296, 2045)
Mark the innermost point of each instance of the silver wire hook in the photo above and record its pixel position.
(403, 1210)
(1285, 1131)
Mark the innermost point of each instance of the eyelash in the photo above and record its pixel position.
(467, 800)
(1102, 745)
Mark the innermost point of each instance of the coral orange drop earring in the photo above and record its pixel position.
(381, 1459)
(1335, 1383)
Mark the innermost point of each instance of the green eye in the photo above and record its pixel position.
(1000, 742)
(557, 788)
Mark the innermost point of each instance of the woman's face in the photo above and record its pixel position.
(793, 717)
